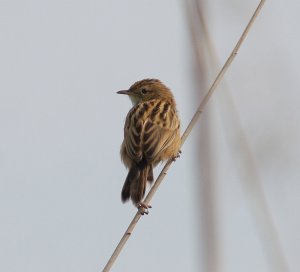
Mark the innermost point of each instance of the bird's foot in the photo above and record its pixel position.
(177, 156)
(144, 208)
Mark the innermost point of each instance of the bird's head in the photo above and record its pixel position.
(148, 89)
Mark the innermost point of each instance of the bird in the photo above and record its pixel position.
(151, 135)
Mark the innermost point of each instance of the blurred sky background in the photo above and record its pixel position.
(61, 127)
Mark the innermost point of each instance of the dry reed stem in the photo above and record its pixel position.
(265, 227)
(186, 133)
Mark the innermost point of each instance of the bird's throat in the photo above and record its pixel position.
(134, 100)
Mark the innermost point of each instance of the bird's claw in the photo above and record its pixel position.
(177, 156)
(144, 208)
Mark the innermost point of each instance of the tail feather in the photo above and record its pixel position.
(138, 187)
(150, 177)
(133, 174)
(135, 183)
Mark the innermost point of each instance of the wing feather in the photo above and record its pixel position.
(150, 130)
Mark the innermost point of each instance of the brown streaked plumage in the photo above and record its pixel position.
(151, 135)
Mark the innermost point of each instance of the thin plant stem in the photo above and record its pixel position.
(265, 226)
(184, 136)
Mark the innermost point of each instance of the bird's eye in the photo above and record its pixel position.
(144, 91)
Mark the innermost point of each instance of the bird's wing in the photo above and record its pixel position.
(133, 135)
(147, 135)
(158, 134)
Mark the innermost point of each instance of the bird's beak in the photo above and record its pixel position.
(123, 92)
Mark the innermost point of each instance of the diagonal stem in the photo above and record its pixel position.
(186, 133)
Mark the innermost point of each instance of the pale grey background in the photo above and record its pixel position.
(61, 123)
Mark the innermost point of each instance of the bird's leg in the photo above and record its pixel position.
(144, 208)
(177, 156)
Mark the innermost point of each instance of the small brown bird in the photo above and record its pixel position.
(151, 135)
